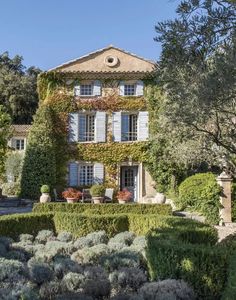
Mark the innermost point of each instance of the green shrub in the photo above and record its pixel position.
(201, 192)
(14, 225)
(233, 190)
(80, 225)
(39, 164)
(45, 189)
(97, 190)
(109, 208)
(171, 254)
(230, 290)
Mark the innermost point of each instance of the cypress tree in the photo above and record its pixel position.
(39, 165)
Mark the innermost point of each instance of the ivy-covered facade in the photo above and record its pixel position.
(101, 120)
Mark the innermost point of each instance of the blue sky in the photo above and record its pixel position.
(50, 32)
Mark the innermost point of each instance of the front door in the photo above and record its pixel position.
(129, 180)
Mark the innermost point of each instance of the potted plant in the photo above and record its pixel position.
(124, 196)
(71, 195)
(97, 192)
(45, 197)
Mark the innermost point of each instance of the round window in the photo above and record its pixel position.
(111, 61)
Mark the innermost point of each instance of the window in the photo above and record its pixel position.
(87, 128)
(86, 175)
(86, 90)
(129, 127)
(20, 144)
(129, 89)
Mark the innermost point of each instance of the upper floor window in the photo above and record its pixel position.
(129, 127)
(129, 89)
(86, 90)
(87, 127)
(19, 144)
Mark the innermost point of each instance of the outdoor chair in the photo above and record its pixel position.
(56, 197)
(108, 195)
(86, 196)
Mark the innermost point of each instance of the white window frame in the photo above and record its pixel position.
(86, 87)
(129, 89)
(86, 138)
(133, 127)
(20, 144)
(86, 177)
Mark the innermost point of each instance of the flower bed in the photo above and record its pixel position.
(59, 267)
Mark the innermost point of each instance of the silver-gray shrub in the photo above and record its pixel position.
(74, 281)
(10, 269)
(49, 290)
(44, 235)
(129, 279)
(90, 255)
(40, 272)
(98, 237)
(65, 236)
(25, 237)
(167, 290)
(125, 237)
(64, 265)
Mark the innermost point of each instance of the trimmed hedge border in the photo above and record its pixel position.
(14, 225)
(174, 253)
(108, 208)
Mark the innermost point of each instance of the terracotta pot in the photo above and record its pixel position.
(97, 200)
(44, 198)
(71, 200)
(122, 201)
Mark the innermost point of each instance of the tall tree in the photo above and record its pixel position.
(197, 70)
(18, 88)
(39, 166)
(5, 122)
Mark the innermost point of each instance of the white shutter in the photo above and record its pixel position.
(122, 88)
(98, 173)
(81, 127)
(116, 126)
(100, 126)
(97, 88)
(73, 127)
(77, 90)
(13, 143)
(143, 126)
(139, 88)
(73, 174)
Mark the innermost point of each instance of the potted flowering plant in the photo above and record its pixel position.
(124, 196)
(97, 192)
(71, 195)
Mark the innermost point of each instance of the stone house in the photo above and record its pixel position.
(108, 86)
(18, 140)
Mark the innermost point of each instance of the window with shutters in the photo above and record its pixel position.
(129, 127)
(87, 132)
(19, 144)
(86, 90)
(86, 174)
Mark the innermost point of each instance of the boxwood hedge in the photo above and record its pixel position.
(188, 254)
(108, 208)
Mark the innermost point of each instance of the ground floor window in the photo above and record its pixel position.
(86, 174)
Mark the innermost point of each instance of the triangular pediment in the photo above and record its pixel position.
(110, 59)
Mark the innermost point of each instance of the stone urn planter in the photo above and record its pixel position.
(97, 200)
(97, 192)
(71, 195)
(71, 200)
(45, 197)
(121, 201)
(160, 198)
